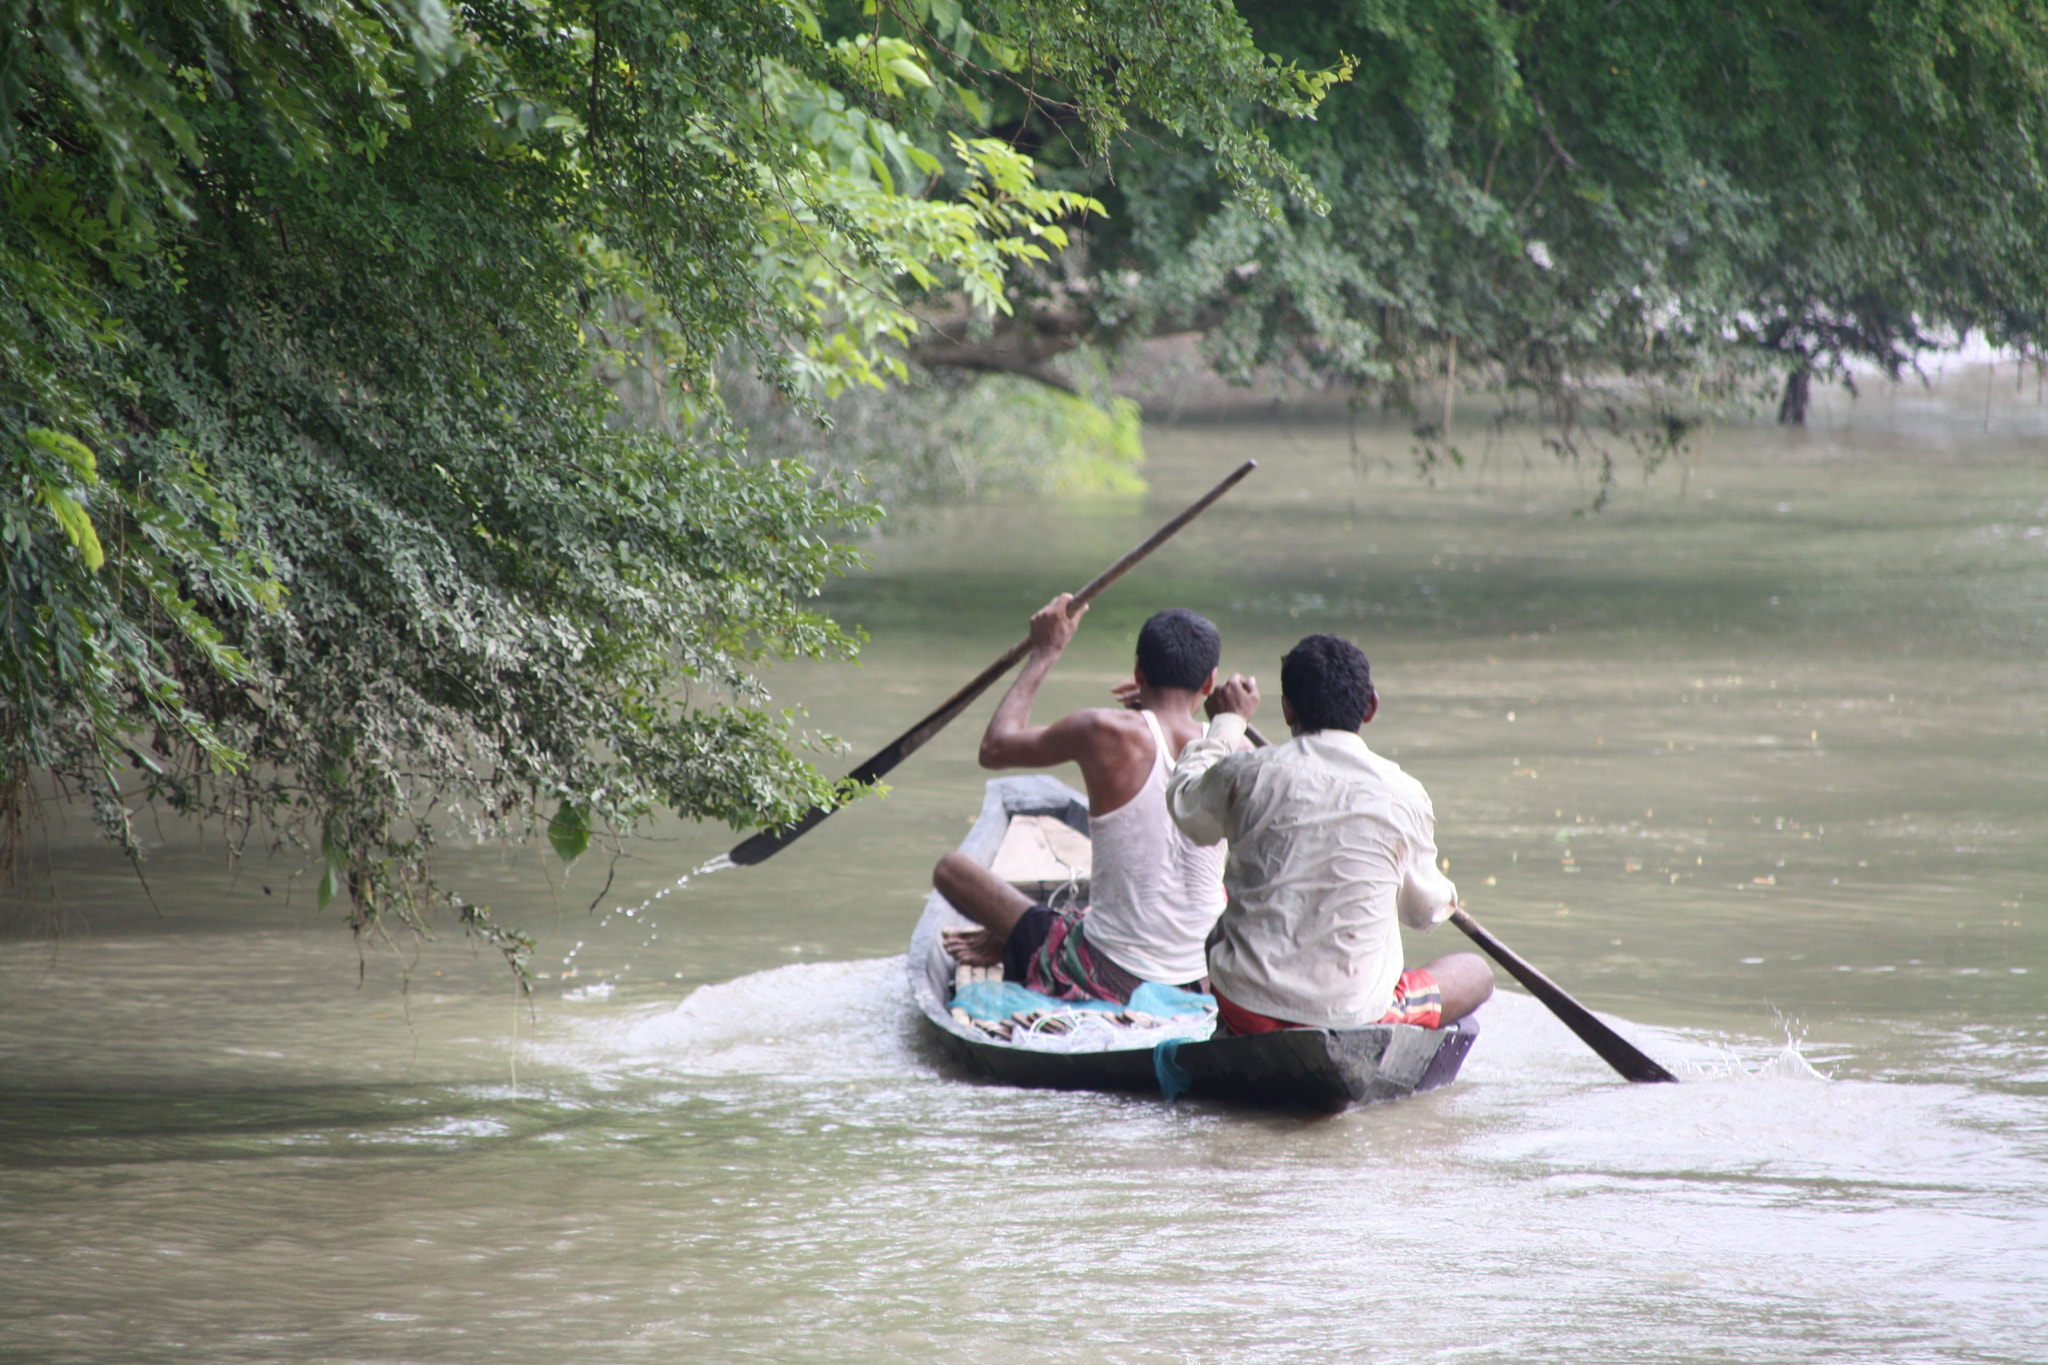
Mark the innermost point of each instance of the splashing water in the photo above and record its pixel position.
(1789, 1064)
(718, 864)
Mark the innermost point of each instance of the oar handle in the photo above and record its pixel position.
(769, 842)
(1152, 542)
(915, 737)
(951, 708)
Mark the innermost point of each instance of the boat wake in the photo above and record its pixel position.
(837, 1019)
(814, 1022)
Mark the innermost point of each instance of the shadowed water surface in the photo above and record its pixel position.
(1757, 770)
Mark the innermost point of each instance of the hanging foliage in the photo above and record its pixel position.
(321, 518)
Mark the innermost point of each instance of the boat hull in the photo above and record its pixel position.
(1318, 1069)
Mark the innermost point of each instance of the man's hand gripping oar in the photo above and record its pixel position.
(768, 843)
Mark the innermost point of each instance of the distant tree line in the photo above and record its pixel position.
(1659, 203)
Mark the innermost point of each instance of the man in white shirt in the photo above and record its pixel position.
(1156, 894)
(1332, 848)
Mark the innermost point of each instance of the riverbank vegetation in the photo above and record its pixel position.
(323, 521)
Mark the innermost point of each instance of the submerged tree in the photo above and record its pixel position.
(321, 518)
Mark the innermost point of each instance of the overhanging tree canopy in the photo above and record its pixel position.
(320, 520)
(1579, 199)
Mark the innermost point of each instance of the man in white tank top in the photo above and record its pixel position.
(1156, 894)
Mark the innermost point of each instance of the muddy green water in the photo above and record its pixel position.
(1756, 767)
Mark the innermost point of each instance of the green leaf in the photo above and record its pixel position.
(569, 832)
(330, 886)
(70, 449)
(77, 525)
(909, 71)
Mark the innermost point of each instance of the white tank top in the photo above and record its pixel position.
(1156, 893)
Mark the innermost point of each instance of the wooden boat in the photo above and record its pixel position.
(1321, 1069)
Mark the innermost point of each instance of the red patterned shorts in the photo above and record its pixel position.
(1418, 1000)
(1061, 962)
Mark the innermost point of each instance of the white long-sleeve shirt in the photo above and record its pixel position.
(1331, 848)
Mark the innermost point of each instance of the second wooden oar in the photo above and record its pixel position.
(1615, 1050)
(769, 842)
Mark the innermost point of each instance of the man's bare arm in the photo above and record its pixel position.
(1011, 740)
(1109, 748)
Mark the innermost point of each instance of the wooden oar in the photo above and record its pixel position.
(769, 842)
(1614, 1049)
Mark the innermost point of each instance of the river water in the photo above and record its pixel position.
(1752, 761)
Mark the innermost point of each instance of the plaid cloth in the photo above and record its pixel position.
(1067, 967)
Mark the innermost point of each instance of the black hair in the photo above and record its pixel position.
(1328, 683)
(1177, 648)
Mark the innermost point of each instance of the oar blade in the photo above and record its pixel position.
(759, 848)
(1611, 1047)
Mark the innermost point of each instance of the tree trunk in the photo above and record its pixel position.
(1792, 407)
(1027, 342)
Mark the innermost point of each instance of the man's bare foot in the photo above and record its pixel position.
(975, 947)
